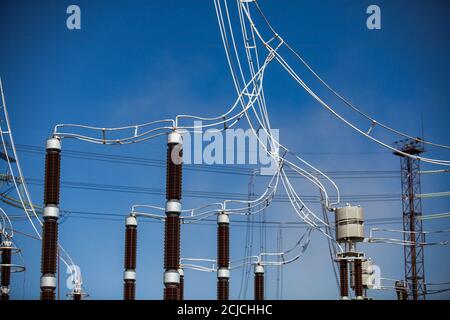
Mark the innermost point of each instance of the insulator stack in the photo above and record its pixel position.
(6, 270)
(343, 271)
(172, 242)
(51, 215)
(77, 296)
(172, 221)
(358, 279)
(129, 285)
(223, 256)
(259, 282)
(402, 293)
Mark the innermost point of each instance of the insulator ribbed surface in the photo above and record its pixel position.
(223, 245)
(47, 294)
(358, 278)
(4, 297)
(6, 270)
(259, 286)
(174, 174)
(181, 289)
(171, 292)
(130, 247)
(223, 289)
(52, 176)
(77, 296)
(172, 242)
(49, 246)
(129, 290)
(343, 272)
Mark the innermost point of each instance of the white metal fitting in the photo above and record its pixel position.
(173, 206)
(223, 273)
(51, 211)
(53, 144)
(223, 218)
(171, 276)
(6, 243)
(131, 221)
(4, 290)
(48, 281)
(174, 137)
(259, 268)
(129, 275)
(181, 272)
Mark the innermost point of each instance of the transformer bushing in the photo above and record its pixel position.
(50, 215)
(223, 256)
(358, 279)
(129, 277)
(343, 272)
(259, 282)
(172, 221)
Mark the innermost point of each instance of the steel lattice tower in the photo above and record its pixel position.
(412, 208)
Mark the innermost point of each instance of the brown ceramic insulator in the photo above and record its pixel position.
(259, 286)
(181, 288)
(77, 296)
(172, 242)
(358, 278)
(223, 245)
(52, 176)
(129, 290)
(47, 294)
(130, 247)
(6, 270)
(49, 246)
(4, 297)
(171, 292)
(343, 272)
(173, 174)
(223, 289)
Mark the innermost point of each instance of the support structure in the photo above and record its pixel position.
(223, 256)
(412, 226)
(51, 216)
(5, 269)
(181, 273)
(172, 221)
(259, 282)
(402, 292)
(129, 275)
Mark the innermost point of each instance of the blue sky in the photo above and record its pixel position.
(138, 61)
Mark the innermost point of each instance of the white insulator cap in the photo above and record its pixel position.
(51, 212)
(223, 218)
(131, 221)
(174, 137)
(359, 298)
(181, 272)
(171, 277)
(53, 143)
(48, 281)
(129, 275)
(223, 273)
(344, 298)
(6, 243)
(4, 290)
(173, 206)
(259, 268)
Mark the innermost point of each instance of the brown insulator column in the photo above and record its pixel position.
(172, 222)
(51, 215)
(358, 279)
(223, 256)
(129, 276)
(259, 282)
(6, 269)
(343, 271)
